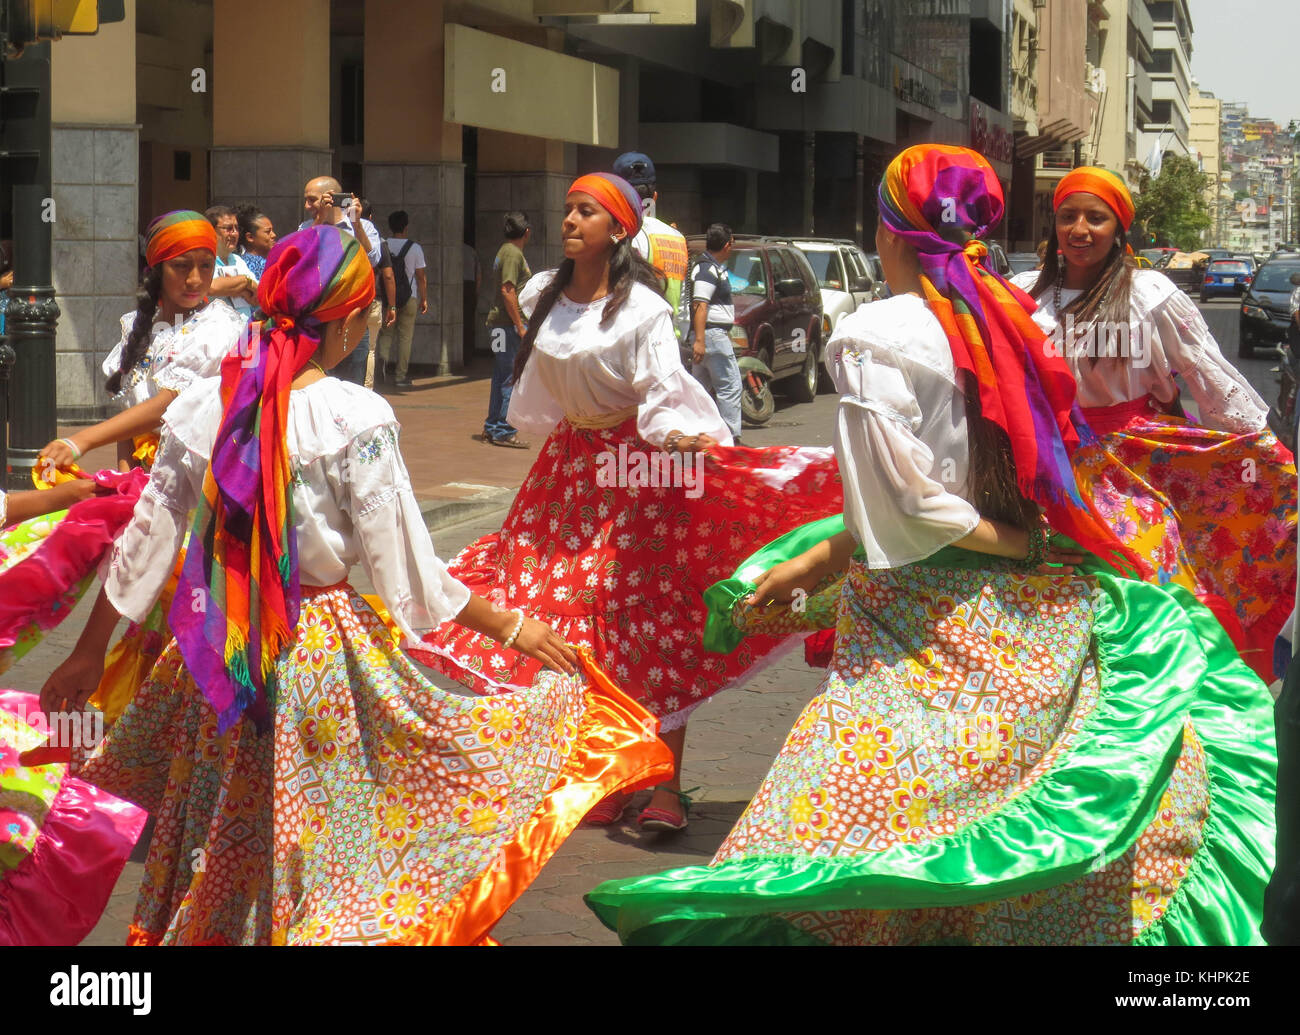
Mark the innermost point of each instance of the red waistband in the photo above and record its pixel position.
(1105, 419)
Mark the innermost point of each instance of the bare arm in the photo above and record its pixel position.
(22, 506)
(422, 288)
(390, 287)
(511, 300)
(138, 420)
(71, 684)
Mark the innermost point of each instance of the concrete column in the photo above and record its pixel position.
(264, 152)
(413, 162)
(95, 157)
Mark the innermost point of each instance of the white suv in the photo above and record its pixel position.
(845, 276)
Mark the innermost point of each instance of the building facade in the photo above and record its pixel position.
(773, 115)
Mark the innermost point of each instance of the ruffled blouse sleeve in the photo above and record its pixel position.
(895, 501)
(671, 399)
(394, 542)
(145, 554)
(1224, 399)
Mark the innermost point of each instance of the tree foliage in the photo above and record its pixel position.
(1172, 205)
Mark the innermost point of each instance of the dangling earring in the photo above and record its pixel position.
(615, 238)
(345, 340)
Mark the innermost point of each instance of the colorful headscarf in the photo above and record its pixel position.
(618, 197)
(1088, 179)
(175, 233)
(236, 607)
(941, 199)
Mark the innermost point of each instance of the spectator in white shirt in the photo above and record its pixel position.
(231, 279)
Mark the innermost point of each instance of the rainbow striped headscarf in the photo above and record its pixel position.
(236, 607)
(175, 233)
(941, 199)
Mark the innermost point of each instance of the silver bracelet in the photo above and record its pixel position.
(514, 633)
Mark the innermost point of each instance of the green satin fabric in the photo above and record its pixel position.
(720, 635)
(1162, 657)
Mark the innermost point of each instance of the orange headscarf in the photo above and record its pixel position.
(175, 233)
(1089, 179)
(618, 197)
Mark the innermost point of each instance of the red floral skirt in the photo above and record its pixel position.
(613, 548)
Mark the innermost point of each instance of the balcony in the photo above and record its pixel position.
(1140, 18)
(1142, 96)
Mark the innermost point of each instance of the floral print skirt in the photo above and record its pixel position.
(378, 809)
(996, 758)
(1208, 510)
(618, 561)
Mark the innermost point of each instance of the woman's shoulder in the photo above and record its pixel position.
(537, 283)
(648, 301)
(891, 322)
(330, 414)
(900, 330)
(1150, 289)
(1025, 280)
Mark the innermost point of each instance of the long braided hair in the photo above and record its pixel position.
(137, 341)
(626, 267)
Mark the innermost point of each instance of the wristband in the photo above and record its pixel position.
(514, 633)
(1037, 547)
(76, 453)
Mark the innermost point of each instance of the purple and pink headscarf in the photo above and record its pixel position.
(236, 607)
(942, 199)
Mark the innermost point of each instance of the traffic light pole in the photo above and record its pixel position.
(32, 316)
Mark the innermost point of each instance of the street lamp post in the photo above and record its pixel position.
(32, 316)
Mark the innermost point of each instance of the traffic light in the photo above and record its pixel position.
(34, 21)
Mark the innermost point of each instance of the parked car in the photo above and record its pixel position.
(1282, 414)
(1225, 277)
(1022, 262)
(1266, 306)
(778, 330)
(846, 278)
(1217, 253)
(878, 271)
(1187, 269)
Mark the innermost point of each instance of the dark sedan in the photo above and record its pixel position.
(1266, 306)
(1225, 277)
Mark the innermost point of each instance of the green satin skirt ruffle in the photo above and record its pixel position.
(1163, 660)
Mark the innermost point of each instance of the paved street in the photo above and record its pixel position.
(732, 739)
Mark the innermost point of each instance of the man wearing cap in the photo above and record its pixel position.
(658, 243)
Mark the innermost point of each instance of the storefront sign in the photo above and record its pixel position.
(990, 132)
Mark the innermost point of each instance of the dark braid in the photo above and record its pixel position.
(137, 342)
(626, 268)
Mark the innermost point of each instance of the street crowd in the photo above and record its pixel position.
(1047, 604)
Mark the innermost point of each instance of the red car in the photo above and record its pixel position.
(777, 333)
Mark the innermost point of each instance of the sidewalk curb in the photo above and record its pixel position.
(439, 514)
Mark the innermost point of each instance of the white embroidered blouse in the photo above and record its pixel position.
(177, 355)
(577, 367)
(900, 434)
(1167, 336)
(352, 497)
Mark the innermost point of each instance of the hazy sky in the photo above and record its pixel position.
(1248, 50)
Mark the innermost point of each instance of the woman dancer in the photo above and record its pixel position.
(309, 785)
(1002, 752)
(53, 827)
(1208, 505)
(174, 337)
(623, 520)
